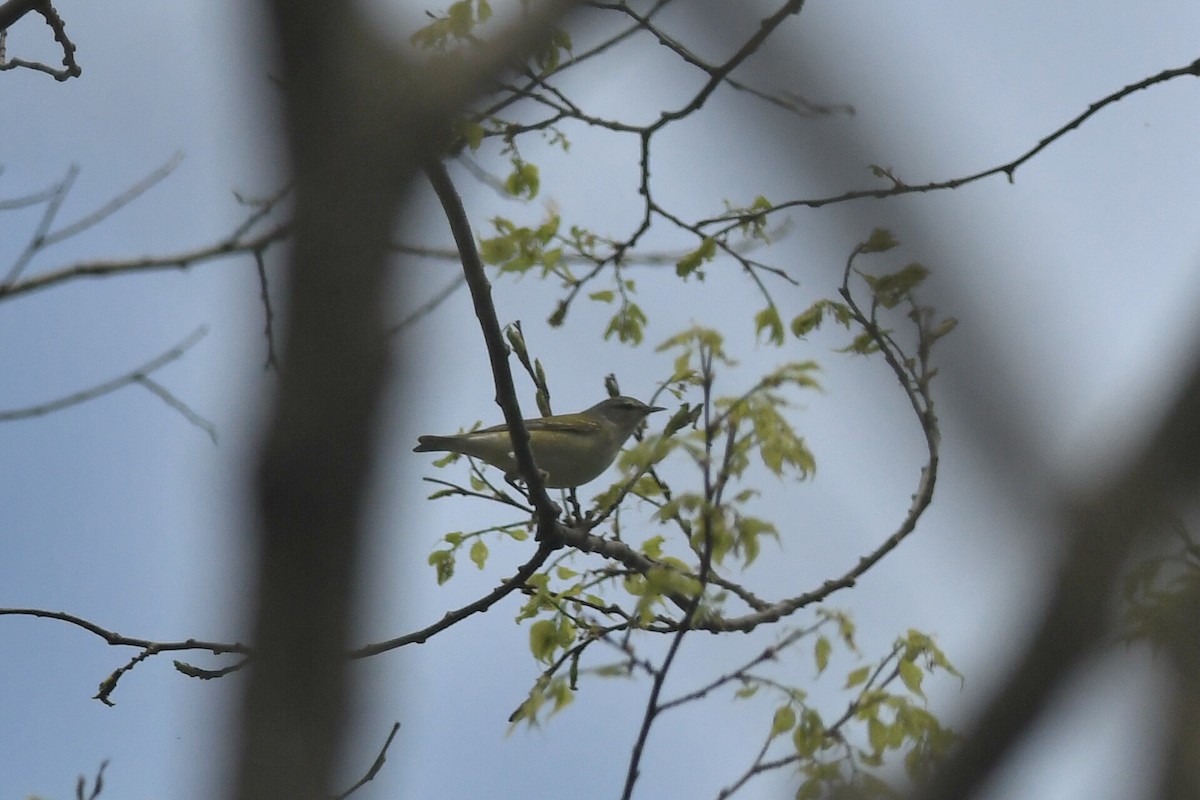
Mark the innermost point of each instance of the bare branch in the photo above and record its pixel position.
(380, 760)
(269, 314)
(430, 305)
(97, 784)
(161, 392)
(29, 200)
(57, 196)
(514, 583)
(114, 205)
(138, 375)
(12, 11)
(181, 261)
(43, 238)
(1009, 168)
(149, 648)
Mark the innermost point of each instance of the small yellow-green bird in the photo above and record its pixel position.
(569, 449)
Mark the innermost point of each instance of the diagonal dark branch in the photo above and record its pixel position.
(485, 310)
(514, 583)
(376, 766)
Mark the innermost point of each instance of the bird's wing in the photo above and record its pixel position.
(558, 425)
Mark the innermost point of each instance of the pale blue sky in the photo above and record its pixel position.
(1082, 274)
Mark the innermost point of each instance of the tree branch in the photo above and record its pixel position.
(139, 376)
(485, 310)
(12, 11)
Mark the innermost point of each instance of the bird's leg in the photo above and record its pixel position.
(512, 477)
(573, 500)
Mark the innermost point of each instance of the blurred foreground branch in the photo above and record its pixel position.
(318, 451)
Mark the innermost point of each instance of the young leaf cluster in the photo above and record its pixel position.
(696, 482)
(886, 712)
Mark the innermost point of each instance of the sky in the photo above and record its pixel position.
(1075, 287)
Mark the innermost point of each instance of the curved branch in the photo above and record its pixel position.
(12, 11)
(1009, 168)
(453, 617)
(376, 766)
(149, 648)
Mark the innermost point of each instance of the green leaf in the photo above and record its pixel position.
(808, 321)
(692, 261)
(543, 639)
(443, 563)
(472, 133)
(497, 250)
(566, 633)
(856, 677)
(879, 241)
(821, 653)
(877, 734)
(944, 327)
(605, 296)
(768, 320)
(912, 676)
(889, 290)
(778, 445)
(479, 553)
(748, 530)
(663, 580)
(653, 546)
(460, 17)
(524, 180)
(647, 487)
(809, 734)
(784, 720)
(628, 324)
(810, 789)
(863, 344)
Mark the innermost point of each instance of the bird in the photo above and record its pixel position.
(569, 449)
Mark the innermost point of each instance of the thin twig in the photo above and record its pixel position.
(264, 292)
(380, 760)
(137, 375)
(164, 394)
(518, 580)
(179, 261)
(156, 176)
(1008, 169)
(36, 242)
